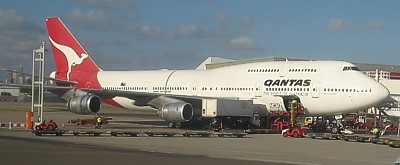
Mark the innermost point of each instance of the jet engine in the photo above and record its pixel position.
(176, 112)
(84, 104)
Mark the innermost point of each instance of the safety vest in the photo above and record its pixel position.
(375, 130)
(99, 119)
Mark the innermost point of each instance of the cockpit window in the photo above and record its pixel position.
(347, 68)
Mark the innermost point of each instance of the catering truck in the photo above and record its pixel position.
(224, 113)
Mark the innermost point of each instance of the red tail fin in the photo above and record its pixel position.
(69, 55)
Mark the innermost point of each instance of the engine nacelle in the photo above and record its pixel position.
(176, 112)
(85, 104)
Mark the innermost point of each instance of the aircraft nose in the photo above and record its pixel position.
(381, 93)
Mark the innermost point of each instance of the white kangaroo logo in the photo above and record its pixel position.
(72, 58)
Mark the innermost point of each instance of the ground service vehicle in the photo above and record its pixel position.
(232, 113)
(51, 125)
(308, 121)
(6, 96)
(294, 132)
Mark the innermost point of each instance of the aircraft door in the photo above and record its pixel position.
(147, 86)
(283, 71)
(258, 90)
(195, 85)
(315, 90)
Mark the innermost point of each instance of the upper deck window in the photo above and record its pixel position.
(346, 68)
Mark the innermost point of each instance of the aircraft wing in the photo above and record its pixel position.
(145, 98)
(141, 98)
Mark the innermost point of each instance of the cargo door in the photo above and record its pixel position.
(315, 90)
(209, 107)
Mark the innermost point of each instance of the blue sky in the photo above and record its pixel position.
(180, 34)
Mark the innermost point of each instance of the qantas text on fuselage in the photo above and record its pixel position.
(288, 82)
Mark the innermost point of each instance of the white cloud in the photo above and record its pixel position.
(107, 4)
(17, 39)
(376, 25)
(246, 21)
(242, 42)
(342, 25)
(100, 3)
(91, 19)
(150, 32)
(338, 24)
(97, 20)
(192, 31)
(222, 17)
(9, 19)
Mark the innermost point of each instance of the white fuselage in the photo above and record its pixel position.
(324, 87)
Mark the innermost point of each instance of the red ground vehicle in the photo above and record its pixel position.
(391, 127)
(294, 132)
(51, 125)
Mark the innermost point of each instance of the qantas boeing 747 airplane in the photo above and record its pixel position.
(323, 87)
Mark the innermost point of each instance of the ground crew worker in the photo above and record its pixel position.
(357, 124)
(293, 108)
(99, 121)
(375, 131)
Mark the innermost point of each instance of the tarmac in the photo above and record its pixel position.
(20, 146)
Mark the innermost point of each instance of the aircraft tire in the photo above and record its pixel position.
(51, 128)
(178, 125)
(335, 130)
(171, 125)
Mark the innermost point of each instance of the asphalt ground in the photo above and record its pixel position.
(21, 151)
(19, 146)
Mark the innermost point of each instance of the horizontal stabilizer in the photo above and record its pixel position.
(46, 78)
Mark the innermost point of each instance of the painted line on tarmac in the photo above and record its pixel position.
(277, 161)
(247, 152)
(361, 160)
(263, 160)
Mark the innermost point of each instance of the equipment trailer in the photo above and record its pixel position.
(233, 114)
